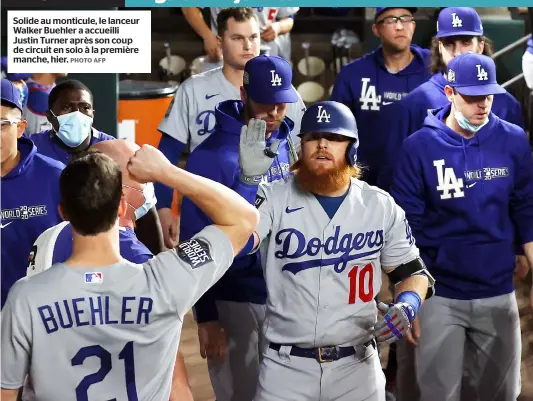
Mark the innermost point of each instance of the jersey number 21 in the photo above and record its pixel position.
(105, 367)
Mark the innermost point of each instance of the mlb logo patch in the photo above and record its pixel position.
(94, 278)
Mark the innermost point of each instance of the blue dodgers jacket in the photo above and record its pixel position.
(30, 196)
(403, 118)
(131, 248)
(48, 145)
(366, 87)
(463, 199)
(217, 158)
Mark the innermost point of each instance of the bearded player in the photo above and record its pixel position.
(325, 236)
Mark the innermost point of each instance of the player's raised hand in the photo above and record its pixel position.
(212, 48)
(147, 164)
(395, 323)
(254, 157)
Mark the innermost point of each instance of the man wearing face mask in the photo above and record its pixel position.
(70, 112)
(465, 181)
(459, 30)
(71, 115)
(29, 190)
(230, 314)
(55, 246)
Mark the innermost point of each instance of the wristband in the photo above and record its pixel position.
(410, 298)
(250, 180)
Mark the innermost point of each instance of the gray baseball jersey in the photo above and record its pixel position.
(190, 117)
(322, 275)
(281, 46)
(102, 333)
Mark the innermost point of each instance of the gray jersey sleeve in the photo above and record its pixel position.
(176, 120)
(285, 12)
(185, 273)
(16, 342)
(263, 203)
(399, 241)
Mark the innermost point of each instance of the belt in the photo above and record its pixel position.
(323, 354)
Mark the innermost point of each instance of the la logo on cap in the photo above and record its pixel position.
(451, 76)
(276, 79)
(481, 73)
(322, 114)
(456, 21)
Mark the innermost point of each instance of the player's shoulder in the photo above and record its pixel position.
(369, 191)
(199, 80)
(359, 66)
(278, 187)
(100, 136)
(45, 163)
(507, 98)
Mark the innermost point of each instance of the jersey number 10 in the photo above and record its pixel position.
(105, 367)
(358, 278)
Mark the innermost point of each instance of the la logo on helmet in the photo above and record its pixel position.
(322, 114)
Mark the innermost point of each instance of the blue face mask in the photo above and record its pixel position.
(74, 128)
(465, 124)
(24, 95)
(149, 200)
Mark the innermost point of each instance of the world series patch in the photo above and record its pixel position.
(194, 252)
(258, 201)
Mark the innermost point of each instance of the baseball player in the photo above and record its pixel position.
(465, 181)
(113, 327)
(191, 117)
(55, 246)
(18, 81)
(275, 24)
(323, 266)
(28, 189)
(36, 110)
(233, 310)
(380, 78)
(70, 112)
(459, 30)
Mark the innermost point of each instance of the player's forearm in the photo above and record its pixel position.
(528, 253)
(194, 17)
(285, 25)
(181, 389)
(417, 283)
(10, 395)
(223, 206)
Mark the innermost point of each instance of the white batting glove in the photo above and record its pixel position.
(254, 157)
(395, 322)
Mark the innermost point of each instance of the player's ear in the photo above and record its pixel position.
(61, 214)
(219, 41)
(122, 207)
(448, 91)
(375, 30)
(21, 127)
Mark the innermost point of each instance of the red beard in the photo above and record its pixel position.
(323, 179)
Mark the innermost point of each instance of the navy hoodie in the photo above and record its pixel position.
(30, 196)
(462, 197)
(217, 158)
(403, 118)
(365, 86)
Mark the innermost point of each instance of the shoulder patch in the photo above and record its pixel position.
(258, 201)
(194, 252)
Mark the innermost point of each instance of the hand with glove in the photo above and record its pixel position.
(254, 157)
(398, 319)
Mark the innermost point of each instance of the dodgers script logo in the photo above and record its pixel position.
(340, 248)
(206, 119)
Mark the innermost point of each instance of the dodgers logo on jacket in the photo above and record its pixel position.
(342, 249)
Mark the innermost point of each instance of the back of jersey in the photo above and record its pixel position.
(93, 334)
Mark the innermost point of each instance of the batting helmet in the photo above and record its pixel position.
(335, 118)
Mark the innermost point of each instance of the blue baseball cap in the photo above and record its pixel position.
(379, 10)
(473, 74)
(457, 21)
(268, 80)
(12, 77)
(10, 94)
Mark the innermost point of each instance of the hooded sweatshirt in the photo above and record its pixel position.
(366, 86)
(462, 197)
(30, 196)
(403, 118)
(217, 158)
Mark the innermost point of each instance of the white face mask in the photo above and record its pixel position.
(74, 128)
(464, 123)
(149, 200)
